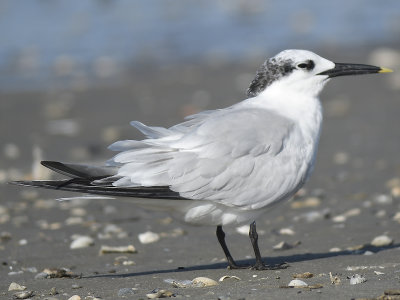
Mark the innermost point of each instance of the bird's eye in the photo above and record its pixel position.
(308, 65)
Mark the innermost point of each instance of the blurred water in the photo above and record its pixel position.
(48, 39)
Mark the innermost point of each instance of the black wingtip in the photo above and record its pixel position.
(50, 163)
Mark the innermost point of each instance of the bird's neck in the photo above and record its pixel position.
(302, 107)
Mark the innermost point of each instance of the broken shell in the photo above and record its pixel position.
(286, 231)
(308, 202)
(120, 249)
(303, 275)
(82, 242)
(16, 287)
(356, 279)
(179, 283)
(297, 283)
(148, 237)
(204, 281)
(75, 297)
(244, 229)
(23, 295)
(160, 294)
(126, 292)
(228, 277)
(334, 279)
(381, 241)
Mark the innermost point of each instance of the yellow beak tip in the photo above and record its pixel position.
(385, 70)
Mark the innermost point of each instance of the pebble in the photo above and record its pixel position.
(5, 236)
(285, 246)
(335, 249)
(11, 151)
(73, 221)
(148, 237)
(22, 242)
(383, 199)
(312, 216)
(356, 279)
(81, 242)
(297, 283)
(42, 275)
(173, 233)
(121, 249)
(23, 295)
(334, 279)
(53, 291)
(303, 275)
(66, 127)
(286, 231)
(126, 292)
(76, 286)
(341, 158)
(179, 283)
(160, 294)
(16, 287)
(243, 229)
(382, 241)
(308, 202)
(74, 297)
(396, 217)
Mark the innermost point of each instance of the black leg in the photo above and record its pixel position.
(259, 265)
(221, 240)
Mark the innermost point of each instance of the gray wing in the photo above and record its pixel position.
(228, 156)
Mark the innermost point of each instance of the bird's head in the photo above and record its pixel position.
(303, 70)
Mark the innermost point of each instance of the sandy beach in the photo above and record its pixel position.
(327, 230)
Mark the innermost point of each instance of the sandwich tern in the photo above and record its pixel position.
(224, 166)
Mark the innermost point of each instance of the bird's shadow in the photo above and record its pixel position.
(270, 260)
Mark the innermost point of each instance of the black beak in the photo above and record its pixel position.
(353, 69)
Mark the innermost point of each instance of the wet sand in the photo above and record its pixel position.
(352, 197)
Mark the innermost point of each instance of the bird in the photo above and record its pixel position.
(226, 166)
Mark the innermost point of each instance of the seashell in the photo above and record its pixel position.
(81, 242)
(356, 279)
(148, 237)
(121, 249)
(204, 281)
(303, 275)
(160, 294)
(381, 241)
(16, 287)
(23, 295)
(297, 283)
(228, 277)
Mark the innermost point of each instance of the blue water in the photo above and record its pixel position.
(37, 35)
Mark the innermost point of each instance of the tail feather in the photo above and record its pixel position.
(85, 186)
(96, 180)
(79, 171)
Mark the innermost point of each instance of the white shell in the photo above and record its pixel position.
(119, 249)
(148, 237)
(356, 279)
(297, 283)
(81, 242)
(204, 281)
(381, 241)
(75, 297)
(228, 277)
(16, 287)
